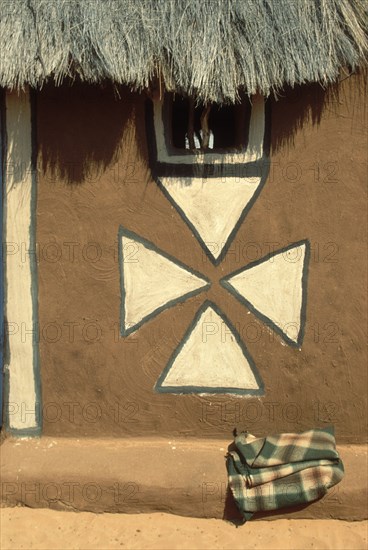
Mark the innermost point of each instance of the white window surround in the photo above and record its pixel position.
(252, 153)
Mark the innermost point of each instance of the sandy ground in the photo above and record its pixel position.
(49, 529)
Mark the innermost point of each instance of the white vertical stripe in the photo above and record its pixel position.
(18, 276)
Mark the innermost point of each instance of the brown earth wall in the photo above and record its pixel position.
(94, 175)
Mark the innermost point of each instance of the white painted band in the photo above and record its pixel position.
(17, 275)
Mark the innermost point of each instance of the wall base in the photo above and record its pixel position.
(185, 477)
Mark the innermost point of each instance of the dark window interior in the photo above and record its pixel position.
(228, 125)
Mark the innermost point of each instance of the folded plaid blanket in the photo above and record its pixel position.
(282, 470)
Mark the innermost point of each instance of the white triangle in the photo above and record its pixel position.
(212, 206)
(274, 288)
(210, 357)
(151, 281)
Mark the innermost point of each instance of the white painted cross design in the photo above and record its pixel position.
(211, 358)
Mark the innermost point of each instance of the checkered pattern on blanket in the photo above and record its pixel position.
(283, 470)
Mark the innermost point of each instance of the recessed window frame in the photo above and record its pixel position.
(166, 153)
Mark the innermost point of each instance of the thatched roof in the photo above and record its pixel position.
(209, 48)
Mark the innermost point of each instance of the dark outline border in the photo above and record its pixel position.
(148, 244)
(258, 168)
(208, 389)
(225, 283)
(2, 192)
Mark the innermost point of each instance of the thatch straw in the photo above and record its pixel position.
(207, 48)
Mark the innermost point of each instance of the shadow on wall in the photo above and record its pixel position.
(80, 129)
(307, 104)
